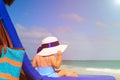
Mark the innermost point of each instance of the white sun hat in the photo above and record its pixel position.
(50, 45)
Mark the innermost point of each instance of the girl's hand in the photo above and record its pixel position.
(59, 53)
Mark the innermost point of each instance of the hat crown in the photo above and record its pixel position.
(49, 40)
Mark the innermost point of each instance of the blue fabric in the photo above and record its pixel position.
(47, 71)
(82, 77)
(9, 68)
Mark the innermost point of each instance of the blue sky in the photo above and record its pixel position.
(91, 28)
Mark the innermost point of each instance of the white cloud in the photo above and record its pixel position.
(32, 32)
(101, 24)
(73, 16)
(63, 30)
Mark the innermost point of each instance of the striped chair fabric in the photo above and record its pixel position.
(10, 64)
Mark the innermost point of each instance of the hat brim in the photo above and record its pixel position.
(52, 50)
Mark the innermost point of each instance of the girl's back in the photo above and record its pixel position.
(44, 61)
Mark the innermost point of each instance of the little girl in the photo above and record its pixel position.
(45, 60)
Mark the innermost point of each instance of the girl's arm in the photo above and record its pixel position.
(34, 62)
(56, 62)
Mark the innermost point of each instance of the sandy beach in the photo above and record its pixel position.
(93, 71)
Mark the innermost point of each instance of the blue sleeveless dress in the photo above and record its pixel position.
(47, 71)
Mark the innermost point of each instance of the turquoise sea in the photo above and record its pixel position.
(113, 64)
